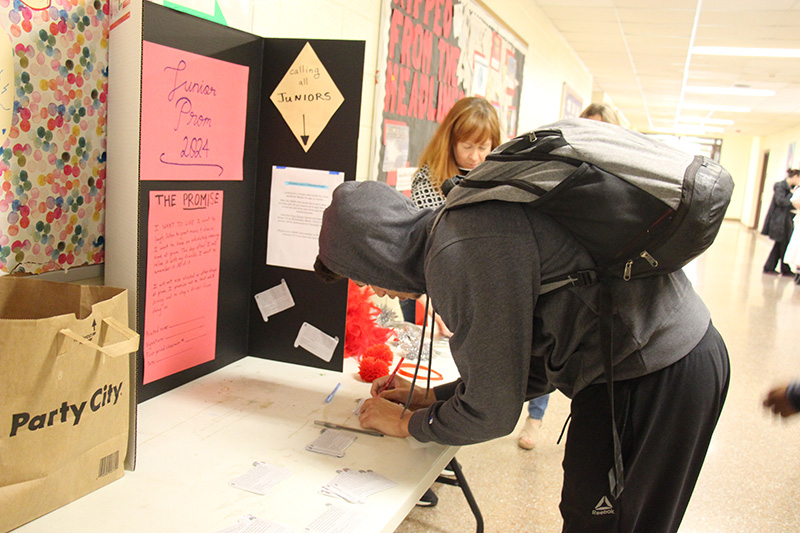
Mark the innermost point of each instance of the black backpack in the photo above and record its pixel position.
(639, 206)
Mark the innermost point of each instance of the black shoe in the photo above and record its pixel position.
(429, 499)
(770, 272)
(787, 273)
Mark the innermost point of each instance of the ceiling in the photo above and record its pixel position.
(640, 54)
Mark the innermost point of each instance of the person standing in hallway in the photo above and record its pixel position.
(465, 137)
(778, 223)
(792, 255)
(601, 112)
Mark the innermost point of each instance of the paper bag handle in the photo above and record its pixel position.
(130, 344)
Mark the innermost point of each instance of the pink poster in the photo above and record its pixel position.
(193, 116)
(180, 311)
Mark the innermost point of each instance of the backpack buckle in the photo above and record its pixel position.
(586, 277)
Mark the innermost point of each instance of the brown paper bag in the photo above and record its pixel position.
(67, 394)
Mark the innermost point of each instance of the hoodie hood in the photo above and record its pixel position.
(373, 234)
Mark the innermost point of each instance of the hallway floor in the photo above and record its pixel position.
(751, 478)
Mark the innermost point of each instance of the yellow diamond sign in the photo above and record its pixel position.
(307, 97)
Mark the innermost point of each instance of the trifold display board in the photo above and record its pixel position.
(223, 150)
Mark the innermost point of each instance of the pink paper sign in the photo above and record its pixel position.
(180, 310)
(193, 116)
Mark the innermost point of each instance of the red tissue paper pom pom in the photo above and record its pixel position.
(371, 369)
(379, 351)
(362, 331)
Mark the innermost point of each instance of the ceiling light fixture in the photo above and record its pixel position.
(690, 129)
(715, 107)
(697, 10)
(729, 91)
(633, 67)
(681, 130)
(745, 52)
(704, 120)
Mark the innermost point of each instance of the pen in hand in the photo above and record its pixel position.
(391, 377)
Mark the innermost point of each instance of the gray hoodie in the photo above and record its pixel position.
(482, 267)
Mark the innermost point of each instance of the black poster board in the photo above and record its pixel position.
(268, 141)
(334, 150)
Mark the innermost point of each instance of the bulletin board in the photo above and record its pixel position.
(571, 102)
(431, 55)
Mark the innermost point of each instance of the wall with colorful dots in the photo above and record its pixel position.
(53, 163)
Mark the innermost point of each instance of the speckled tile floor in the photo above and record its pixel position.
(751, 478)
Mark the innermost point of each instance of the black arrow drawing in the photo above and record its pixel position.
(304, 136)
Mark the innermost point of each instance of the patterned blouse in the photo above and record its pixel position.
(423, 192)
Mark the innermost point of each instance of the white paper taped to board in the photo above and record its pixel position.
(315, 341)
(273, 301)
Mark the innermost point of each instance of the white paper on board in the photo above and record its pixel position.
(298, 197)
(316, 341)
(273, 301)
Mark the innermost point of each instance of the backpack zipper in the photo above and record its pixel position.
(629, 264)
(650, 259)
(678, 215)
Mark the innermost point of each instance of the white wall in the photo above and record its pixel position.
(736, 157)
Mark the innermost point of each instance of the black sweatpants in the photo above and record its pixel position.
(665, 421)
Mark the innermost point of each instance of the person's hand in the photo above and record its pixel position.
(778, 402)
(385, 416)
(398, 388)
(398, 392)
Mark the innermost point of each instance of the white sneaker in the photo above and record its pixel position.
(530, 434)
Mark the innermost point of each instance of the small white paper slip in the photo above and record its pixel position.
(263, 526)
(273, 301)
(332, 442)
(251, 524)
(356, 485)
(336, 519)
(316, 342)
(260, 478)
